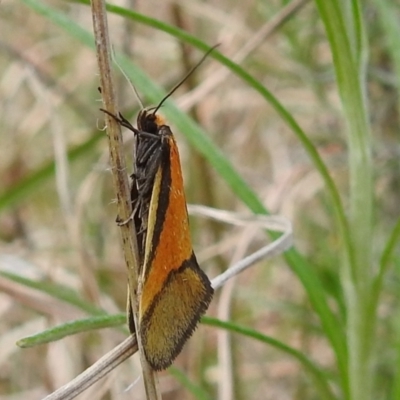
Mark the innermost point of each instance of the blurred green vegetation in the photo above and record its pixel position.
(296, 114)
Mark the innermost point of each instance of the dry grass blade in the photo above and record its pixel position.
(130, 247)
(101, 368)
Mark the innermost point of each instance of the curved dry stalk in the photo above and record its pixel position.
(97, 371)
(274, 223)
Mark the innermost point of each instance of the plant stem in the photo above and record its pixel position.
(344, 27)
(120, 179)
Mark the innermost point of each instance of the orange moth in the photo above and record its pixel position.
(175, 291)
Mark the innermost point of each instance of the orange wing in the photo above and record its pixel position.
(175, 291)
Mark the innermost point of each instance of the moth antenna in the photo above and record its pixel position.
(184, 78)
(114, 59)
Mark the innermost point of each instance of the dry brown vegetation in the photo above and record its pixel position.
(57, 211)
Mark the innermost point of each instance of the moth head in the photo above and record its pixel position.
(149, 122)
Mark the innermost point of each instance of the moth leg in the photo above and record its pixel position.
(131, 216)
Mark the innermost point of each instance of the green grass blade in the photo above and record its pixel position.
(387, 255)
(315, 372)
(351, 80)
(348, 45)
(72, 328)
